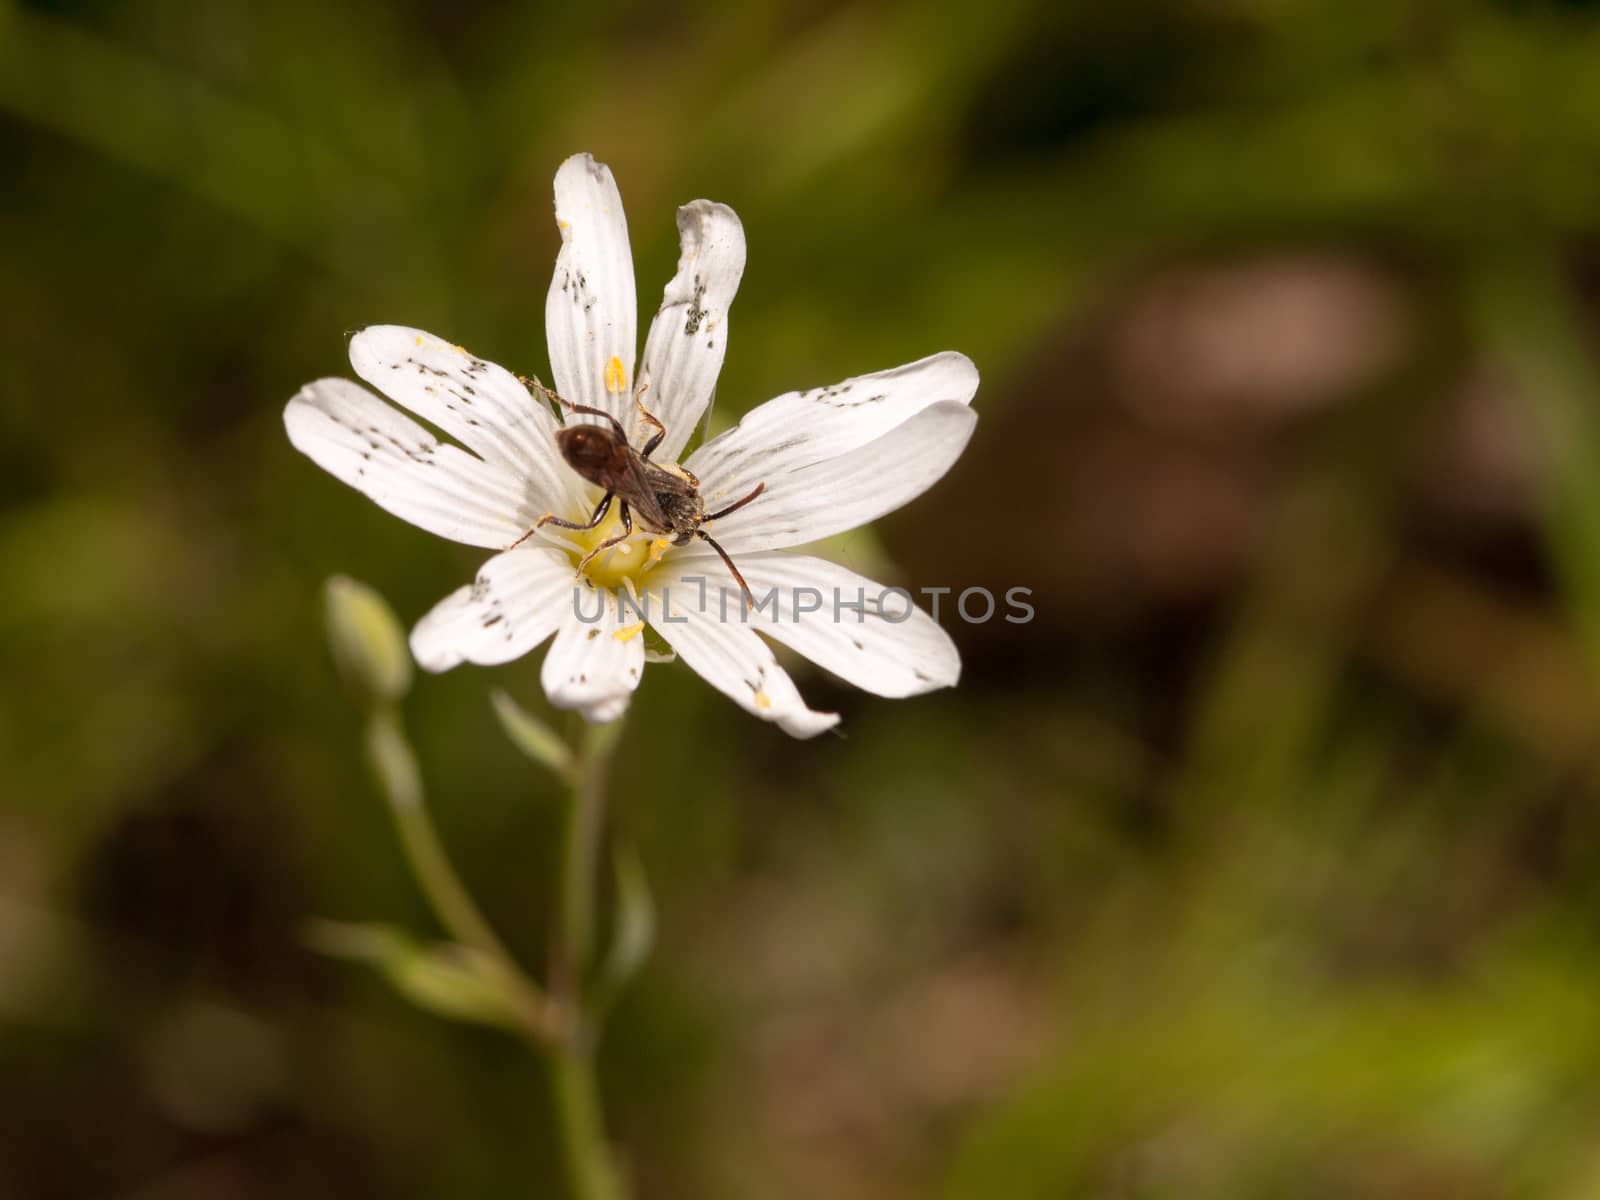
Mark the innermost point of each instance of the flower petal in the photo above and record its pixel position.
(607, 711)
(689, 336)
(355, 436)
(480, 404)
(818, 499)
(593, 664)
(800, 428)
(519, 598)
(732, 659)
(591, 314)
(872, 638)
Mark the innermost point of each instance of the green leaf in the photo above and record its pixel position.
(533, 737)
(633, 930)
(445, 978)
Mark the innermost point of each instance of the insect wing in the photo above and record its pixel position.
(643, 481)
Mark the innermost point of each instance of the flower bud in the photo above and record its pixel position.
(369, 647)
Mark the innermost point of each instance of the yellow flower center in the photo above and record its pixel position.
(627, 560)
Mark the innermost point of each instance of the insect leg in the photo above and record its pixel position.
(600, 511)
(743, 586)
(627, 531)
(649, 419)
(597, 412)
(550, 394)
(735, 506)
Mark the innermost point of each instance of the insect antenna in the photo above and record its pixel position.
(744, 587)
(737, 504)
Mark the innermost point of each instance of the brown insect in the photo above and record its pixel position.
(666, 499)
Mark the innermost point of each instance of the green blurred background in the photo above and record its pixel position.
(1264, 862)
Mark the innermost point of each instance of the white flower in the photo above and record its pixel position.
(830, 458)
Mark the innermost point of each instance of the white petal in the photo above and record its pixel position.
(519, 599)
(606, 711)
(732, 659)
(478, 403)
(591, 314)
(845, 623)
(816, 500)
(597, 657)
(800, 428)
(355, 436)
(689, 336)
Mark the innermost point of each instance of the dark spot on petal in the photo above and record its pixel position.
(697, 313)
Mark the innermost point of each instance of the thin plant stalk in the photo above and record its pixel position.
(553, 1021)
(449, 899)
(575, 1089)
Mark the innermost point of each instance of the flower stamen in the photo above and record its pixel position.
(618, 566)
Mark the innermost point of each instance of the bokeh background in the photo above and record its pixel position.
(1265, 861)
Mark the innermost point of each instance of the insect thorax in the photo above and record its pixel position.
(682, 511)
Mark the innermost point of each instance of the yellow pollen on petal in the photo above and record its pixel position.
(630, 632)
(763, 700)
(657, 549)
(616, 375)
(419, 339)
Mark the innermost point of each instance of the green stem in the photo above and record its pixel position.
(591, 1174)
(452, 905)
(585, 821)
(575, 1090)
(553, 1023)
